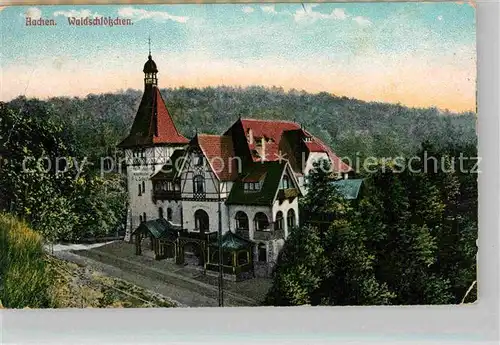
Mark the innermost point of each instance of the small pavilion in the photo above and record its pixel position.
(163, 235)
(236, 254)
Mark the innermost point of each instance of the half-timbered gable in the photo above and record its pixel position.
(207, 175)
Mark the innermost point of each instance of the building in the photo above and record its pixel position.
(246, 181)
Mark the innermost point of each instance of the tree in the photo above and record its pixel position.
(407, 241)
(39, 185)
(323, 202)
(299, 269)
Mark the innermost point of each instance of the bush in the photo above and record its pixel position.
(24, 275)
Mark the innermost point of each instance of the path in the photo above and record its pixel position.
(186, 287)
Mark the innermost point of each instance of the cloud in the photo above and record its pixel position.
(247, 9)
(269, 9)
(33, 13)
(138, 14)
(362, 21)
(76, 13)
(309, 15)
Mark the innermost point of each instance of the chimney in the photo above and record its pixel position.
(250, 136)
(263, 148)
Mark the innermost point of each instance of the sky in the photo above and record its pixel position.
(416, 54)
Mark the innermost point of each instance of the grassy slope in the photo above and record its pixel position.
(30, 278)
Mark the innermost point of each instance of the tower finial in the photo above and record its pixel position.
(149, 42)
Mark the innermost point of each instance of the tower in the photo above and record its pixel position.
(152, 140)
(150, 70)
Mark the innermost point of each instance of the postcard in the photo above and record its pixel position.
(222, 155)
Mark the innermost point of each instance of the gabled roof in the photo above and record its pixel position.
(316, 145)
(153, 123)
(265, 196)
(159, 228)
(170, 170)
(231, 242)
(349, 188)
(218, 150)
(278, 135)
(267, 129)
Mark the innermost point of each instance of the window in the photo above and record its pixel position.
(140, 190)
(261, 222)
(307, 139)
(290, 218)
(262, 253)
(201, 221)
(144, 216)
(241, 221)
(199, 185)
(242, 258)
(251, 186)
(169, 214)
(140, 219)
(215, 257)
(227, 258)
(198, 160)
(286, 182)
(143, 186)
(278, 225)
(157, 186)
(160, 212)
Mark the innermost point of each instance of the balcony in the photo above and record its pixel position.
(289, 193)
(243, 233)
(268, 235)
(166, 195)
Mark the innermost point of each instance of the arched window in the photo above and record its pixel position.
(286, 182)
(199, 184)
(201, 221)
(261, 222)
(290, 218)
(143, 186)
(140, 218)
(144, 216)
(262, 253)
(278, 225)
(169, 214)
(160, 212)
(241, 221)
(140, 190)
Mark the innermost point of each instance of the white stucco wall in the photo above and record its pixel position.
(211, 208)
(155, 158)
(284, 207)
(250, 212)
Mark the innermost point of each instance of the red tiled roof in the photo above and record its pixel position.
(152, 123)
(268, 129)
(167, 132)
(316, 145)
(218, 149)
(274, 129)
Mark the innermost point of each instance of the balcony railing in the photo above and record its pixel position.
(243, 233)
(268, 235)
(287, 193)
(166, 195)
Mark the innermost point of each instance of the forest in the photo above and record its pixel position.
(413, 235)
